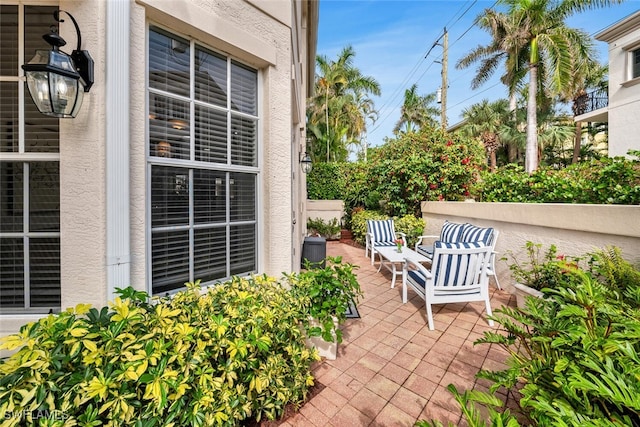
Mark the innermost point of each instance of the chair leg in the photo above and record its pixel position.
(494, 273)
(429, 315)
(488, 306)
(495, 277)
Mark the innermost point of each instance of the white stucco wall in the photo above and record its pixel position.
(82, 170)
(575, 229)
(259, 36)
(326, 210)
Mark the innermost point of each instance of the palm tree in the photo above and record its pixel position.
(486, 120)
(553, 50)
(341, 101)
(506, 47)
(416, 111)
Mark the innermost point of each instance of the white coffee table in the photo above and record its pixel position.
(389, 257)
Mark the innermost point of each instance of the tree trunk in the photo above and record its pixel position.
(493, 161)
(531, 152)
(512, 148)
(576, 143)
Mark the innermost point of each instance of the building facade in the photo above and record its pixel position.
(621, 112)
(182, 164)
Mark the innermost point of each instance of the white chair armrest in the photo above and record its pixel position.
(417, 266)
(404, 237)
(421, 238)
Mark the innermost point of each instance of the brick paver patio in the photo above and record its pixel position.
(391, 370)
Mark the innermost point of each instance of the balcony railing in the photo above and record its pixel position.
(591, 101)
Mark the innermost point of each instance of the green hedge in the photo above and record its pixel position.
(435, 166)
(326, 181)
(605, 181)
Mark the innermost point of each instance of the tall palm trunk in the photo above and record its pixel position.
(512, 148)
(531, 152)
(576, 143)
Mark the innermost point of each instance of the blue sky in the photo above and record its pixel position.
(392, 38)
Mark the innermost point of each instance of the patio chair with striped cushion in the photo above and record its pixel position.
(381, 233)
(453, 232)
(459, 273)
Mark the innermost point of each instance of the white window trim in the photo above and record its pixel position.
(192, 163)
(25, 157)
(628, 51)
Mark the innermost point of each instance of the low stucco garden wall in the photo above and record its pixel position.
(326, 210)
(574, 228)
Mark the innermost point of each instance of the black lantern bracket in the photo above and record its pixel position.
(81, 58)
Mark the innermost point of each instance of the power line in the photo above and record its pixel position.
(404, 84)
(386, 110)
(476, 94)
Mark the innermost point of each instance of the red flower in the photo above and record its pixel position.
(433, 186)
(449, 143)
(466, 161)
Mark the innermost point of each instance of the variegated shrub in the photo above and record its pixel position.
(203, 357)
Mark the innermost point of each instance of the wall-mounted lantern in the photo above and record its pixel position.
(305, 163)
(57, 81)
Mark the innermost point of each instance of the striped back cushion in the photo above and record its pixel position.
(471, 233)
(453, 269)
(451, 231)
(382, 230)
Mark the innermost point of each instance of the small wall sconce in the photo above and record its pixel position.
(56, 80)
(306, 163)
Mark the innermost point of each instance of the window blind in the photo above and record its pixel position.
(30, 255)
(203, 191)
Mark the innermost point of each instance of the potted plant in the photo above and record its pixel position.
(327, 293)
(539, 270)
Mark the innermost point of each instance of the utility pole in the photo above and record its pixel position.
(364, 140)
(443, 98)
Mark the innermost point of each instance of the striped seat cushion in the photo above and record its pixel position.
(451, 231)
(418, 278)
(454, 267)
(471, 233)
(425, 250)
(382, 231)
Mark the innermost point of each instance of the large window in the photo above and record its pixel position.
(203, 163)
(29, 172)
(635, 63)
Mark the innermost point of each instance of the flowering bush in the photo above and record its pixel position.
(429, 165)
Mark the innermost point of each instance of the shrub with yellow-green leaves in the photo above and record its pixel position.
(203, 357)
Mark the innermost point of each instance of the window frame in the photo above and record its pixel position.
(27, 157)
(629, 51)
(191, 165)
(634, 66)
